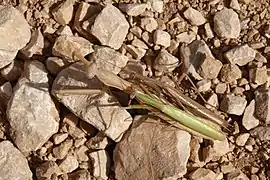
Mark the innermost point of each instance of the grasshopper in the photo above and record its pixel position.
(209, 126)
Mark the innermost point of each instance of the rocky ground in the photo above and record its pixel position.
(223, 46)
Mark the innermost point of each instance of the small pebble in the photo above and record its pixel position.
(242, 139)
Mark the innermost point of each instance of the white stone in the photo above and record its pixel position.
(186, 37)
(110, 27)
(134, 9)
(233, 104)
(28, 118)
(240, 55)
(194, 16)
(227, 23)
(162, 38)
(149, 24)
(242, 139)
(249, 121)
(165, 62)
(13, 163)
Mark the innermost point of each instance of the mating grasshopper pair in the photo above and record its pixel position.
(164, 99)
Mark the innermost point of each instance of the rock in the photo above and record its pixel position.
(81, 153)
(137, 53)
(208, 30)
(13, 71)
(157, 5)
(110, 59)
(55, 64)
(101, 164)
(258, 75)
(240, 55)
(47, 170)
(7, 57)
(63, 12)
(35, 46)
(204, 85)
(236, 175)
(134, 9)
(14, 29)
(146, 146)
(212, 101)
(98, 142)
(162, 38)
(99, 109)
(5, 94)
(242, 139)
(193, 56)
(202, 174)
(79, 142)
(261, 132)
(194, 17)
(262, 108)
(227, 23)
(209, 68)
(60, 151)
(215, 150)
(137, 31)
(165, 62)
(194, 150)
(149, 24)
(249, 121)
(139, 44)
(110, 27)
(235, 5)
(66, 46)
(60, 137)
(260, 58)
(28, 118)
(80, 175)
(186, 37)
(64, 31)
(229, 73)
(13, 164)
(221, 88)
(69, 164)
(232, 104)
(227, 167)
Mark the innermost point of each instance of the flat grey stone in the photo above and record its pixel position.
(233, 104)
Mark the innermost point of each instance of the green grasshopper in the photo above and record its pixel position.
(207, 127)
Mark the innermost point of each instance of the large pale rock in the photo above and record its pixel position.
(13, 164)
(99, 109)
(152, 150)
(227, 23)
(66, 46)
(110, 59)
(14, 29)
(32, 123)
(240, 55)
(14, 33)
(110, 27)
